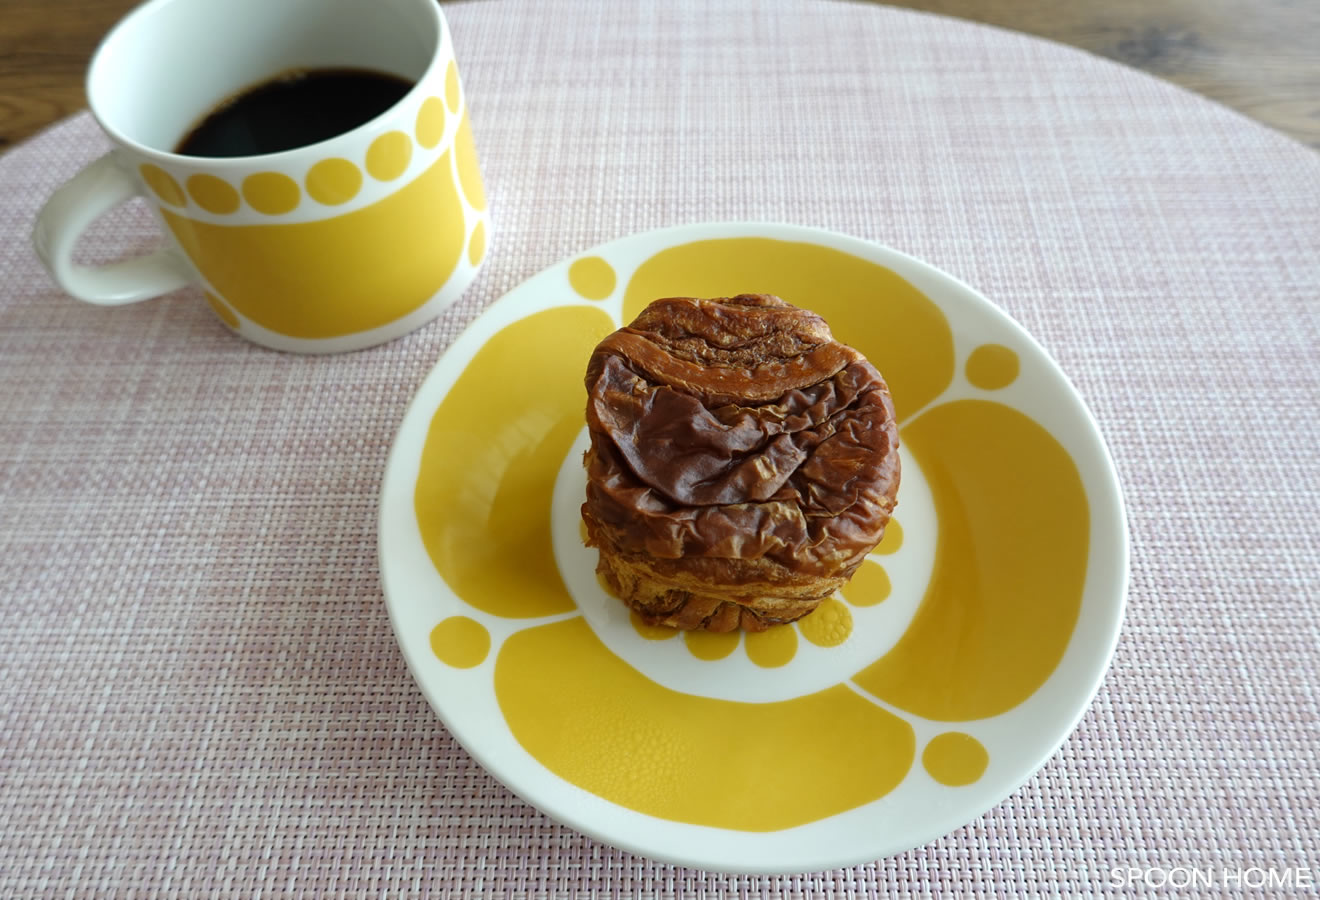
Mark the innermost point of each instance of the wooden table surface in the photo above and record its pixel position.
(1261, 57)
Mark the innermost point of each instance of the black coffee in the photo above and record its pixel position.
(296, 108)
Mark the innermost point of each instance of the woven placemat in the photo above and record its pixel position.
(201, 693)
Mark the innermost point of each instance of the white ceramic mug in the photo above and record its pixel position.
(327, 247)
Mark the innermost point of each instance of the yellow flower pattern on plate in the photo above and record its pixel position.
(991, 625)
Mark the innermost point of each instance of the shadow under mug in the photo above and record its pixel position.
(328, 247)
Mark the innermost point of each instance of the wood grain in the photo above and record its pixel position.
(1260, 57)
(44, 52)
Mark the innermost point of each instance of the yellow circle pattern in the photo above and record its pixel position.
(460, 642)
(333, 181)
(829, 625)
(388, 155)
(955, 759)
(469, 172)
(477, 245)
(592, 277)
(451, 87)
(773, 647)
(162, 184)
(650, 632)
(992, 366)
(430, 122)
(892, 540)
(869, 585)
(215, 195)
(271, 193)
(710, 645)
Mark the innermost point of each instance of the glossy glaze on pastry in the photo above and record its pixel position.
(742, 464)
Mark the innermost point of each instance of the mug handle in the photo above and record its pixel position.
(76, 204)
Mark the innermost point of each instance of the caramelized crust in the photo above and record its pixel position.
(742, 461)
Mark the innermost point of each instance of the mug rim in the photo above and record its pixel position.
(221, 163)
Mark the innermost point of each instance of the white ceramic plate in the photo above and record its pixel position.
(957, 661)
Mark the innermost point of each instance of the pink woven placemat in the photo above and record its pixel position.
(200, 692)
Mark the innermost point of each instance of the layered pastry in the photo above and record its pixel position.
(742, 463)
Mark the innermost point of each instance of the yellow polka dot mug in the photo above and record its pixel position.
(328, 247)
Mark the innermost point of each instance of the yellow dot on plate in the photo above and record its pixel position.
(271, 193)
(388, 155)
(711, 645)
(592, 277)
(477, 245)
(162, 184)
(430, 122)
(222, 310)
(773, 647)
(451, 87)
(469, 172)
(461, 642)
(892, 540)
(869, 585)
(650, 632)
(955, 758)
(333, 181)
(829, 624)
(992, 366)
(215, 195)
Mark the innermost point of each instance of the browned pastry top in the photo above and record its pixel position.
(738, 428)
